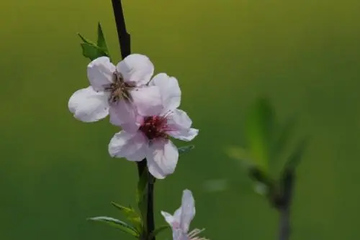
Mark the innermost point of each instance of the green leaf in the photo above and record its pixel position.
(259, 128)
(131, 215)
(93, 50)
(101, 42)
(296, 157)
(283, 137)
(258, 175)
(85, 40)
(186, 149)
(101, 38)
(116, 224)
(158, 230)
(127, 211)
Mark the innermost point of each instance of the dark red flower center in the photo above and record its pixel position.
(154, 127)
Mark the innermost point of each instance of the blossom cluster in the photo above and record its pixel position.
(145, 107)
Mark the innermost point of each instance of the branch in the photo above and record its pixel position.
(285, 203)
(123, 35)
(125, 49)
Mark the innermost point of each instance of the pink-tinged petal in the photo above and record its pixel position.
(122, 113)
(179, 125)
(178, 234)
(179, 120)
(187, 210)
(173, 220)
(100, 73)
(177, 215)
(169, 90)
(128, 145)
(88, 105)
(162, 157)
(147, 100)
(136, 68)
(168, 217)
(185, 134)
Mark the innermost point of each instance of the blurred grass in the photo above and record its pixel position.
(55, 171)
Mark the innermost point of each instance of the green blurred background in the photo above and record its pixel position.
(304, 55)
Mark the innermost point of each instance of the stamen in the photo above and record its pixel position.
(154, 127)
(193, 234)
(168, 113)
(118, 89)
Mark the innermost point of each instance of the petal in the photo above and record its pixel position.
(128, 145)
(179, 119)
(177, 214)
(187, 210)
(162, 157)
(179, 125)
(169, 90)
(88, 105)
(136, 68)
(184, 135)
(174, 221)
(178, 234)
(147, 100)
(122, 113)
(100, 72)
(168, 217)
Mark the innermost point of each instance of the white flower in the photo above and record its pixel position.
(116, 90)
(182, 218)
(151, 138)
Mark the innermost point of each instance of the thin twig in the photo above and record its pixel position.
(284, 226)
(285, 203)
(123, 35)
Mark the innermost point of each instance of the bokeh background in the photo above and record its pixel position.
(304, 55)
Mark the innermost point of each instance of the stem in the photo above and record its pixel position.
(150, 208)
(150, 223)
(141, 167)
(284, 228)
(284, 205)
(123, 35)
(125, 49)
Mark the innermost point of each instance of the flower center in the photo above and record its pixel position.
(154, 127)
(119, 89)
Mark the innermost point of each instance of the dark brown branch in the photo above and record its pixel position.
(123, 35)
